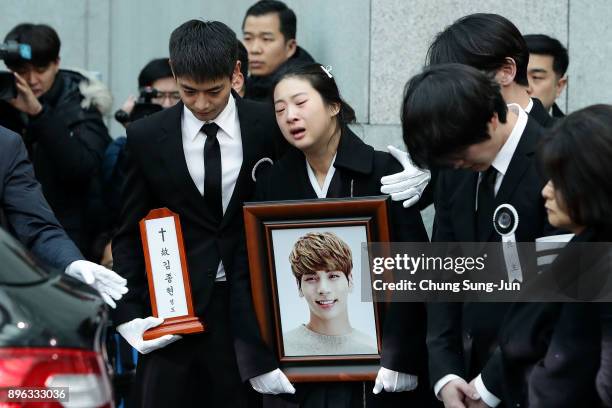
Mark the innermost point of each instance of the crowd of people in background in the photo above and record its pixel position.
(481, 126)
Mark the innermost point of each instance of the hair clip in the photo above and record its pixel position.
(327, 70)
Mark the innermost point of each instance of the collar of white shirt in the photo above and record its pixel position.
(529, 106)
(226, 120)
(321, 191)
(504, 156)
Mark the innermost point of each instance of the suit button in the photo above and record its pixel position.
(210, 272)
(468, 335)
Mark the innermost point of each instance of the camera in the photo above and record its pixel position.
(11, 50)
(142, 108)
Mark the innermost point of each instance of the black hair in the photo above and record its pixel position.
(203, 50)
(544, 45)
(286, 16)
(483, 41)
(243, 57)
(324, 84)
(447, 108)
(156, 69)
(576, 154)
(42, 39)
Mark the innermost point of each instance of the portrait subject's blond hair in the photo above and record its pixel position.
(320, 251)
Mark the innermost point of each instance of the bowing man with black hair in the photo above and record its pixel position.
(491, 149)
(196, 159)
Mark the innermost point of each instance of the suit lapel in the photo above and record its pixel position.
(250, 129)
(464, 205)
(173, 159)
(521, 160)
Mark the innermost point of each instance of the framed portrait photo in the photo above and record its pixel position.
(309, 266)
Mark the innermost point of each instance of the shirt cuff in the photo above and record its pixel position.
(442, 382)
(488, 398)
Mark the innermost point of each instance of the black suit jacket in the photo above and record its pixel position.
(551, 352)
(557, 113)
(462, 337)
(539, 113)
(157, 176)
(27, 213)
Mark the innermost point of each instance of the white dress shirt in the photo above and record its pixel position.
(230, 144)
(504, 156)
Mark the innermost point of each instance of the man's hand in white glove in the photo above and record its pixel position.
(274, 382)
(133, 331)
(394, 381)
(106, 282)
(407, 185)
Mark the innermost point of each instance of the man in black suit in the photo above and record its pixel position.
(548, 62)
(454, 115)
(491, 43)
(196, 159)
(26, 214)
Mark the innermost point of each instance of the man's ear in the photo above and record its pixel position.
(290, 48)
(561, 84)
(350, 281)
(493, 123)
(506, 74)
(238, 79)
(238, 84)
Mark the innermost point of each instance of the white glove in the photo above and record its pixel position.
(274, 382)
(393, 381)
(133, 331)
(106, 282)
(407, 185)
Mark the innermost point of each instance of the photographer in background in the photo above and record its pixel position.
(59, 114)
(158, 90)
(157, 86)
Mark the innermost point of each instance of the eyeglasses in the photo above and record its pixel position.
(173, 96)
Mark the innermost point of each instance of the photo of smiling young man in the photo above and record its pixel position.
(322, 265)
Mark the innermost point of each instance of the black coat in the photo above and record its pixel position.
(462, 337)
(27, 214)
(157, 176)
(66, 144)
(551, 352)
(360, 168)
(260, 88)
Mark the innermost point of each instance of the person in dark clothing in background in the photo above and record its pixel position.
(548, 62)
(59, 114)
(268, 33)
(559, 354)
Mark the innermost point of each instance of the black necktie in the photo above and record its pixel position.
(212, 170)
(486, 203)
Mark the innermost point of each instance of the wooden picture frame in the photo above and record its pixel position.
(286, 220)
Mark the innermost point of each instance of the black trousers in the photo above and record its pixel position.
(197, 370)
